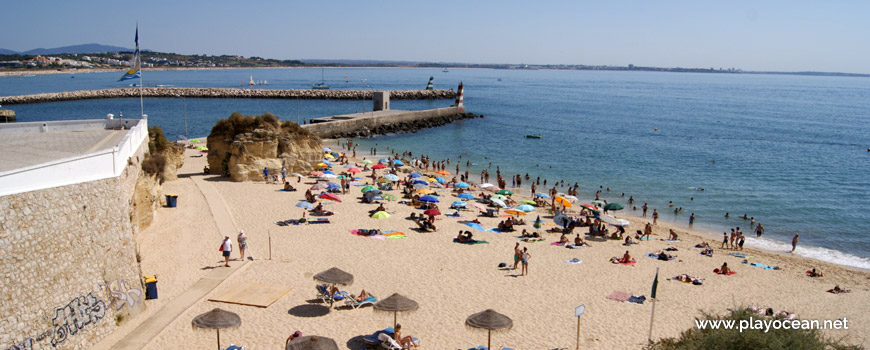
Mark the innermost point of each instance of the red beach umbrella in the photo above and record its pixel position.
(330, 196)
(432, 212)
(379, 166)
(353, 170)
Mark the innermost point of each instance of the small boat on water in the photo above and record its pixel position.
(322, 85)
(445, 70)
(531, 136)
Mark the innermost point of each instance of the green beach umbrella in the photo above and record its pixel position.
(532, 203)
(505, 192)
(366, 161)
(613, 206)
(364, 189)
(380, 215)
(195, 141)
(388, 197)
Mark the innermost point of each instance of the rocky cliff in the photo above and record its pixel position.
(242, 146)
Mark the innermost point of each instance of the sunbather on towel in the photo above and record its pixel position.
(814, 273)
(563, 239)
(579, 241)
(464, 237)
(628, 240)
(838, 290)
(626, 258)
(724, 270)
(363, 296)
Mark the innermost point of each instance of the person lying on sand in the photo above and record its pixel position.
(464, 237)
(707, 252)
(814, 273)
(838, 290)
(688, 279)
(663, 256)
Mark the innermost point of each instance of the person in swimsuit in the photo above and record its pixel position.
(403, 341)
(525, 258)
(517, 255)
(243, 243)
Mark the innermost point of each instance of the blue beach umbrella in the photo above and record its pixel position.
(305, 205)
(332, 186)
(428, 198)
(526, 208)
(542, 195)
(462, 185)
(419, 186)
(420, 182)
(328, 172)
(466, 196)
(398, 162)
(440, 180)
(383, 160)
(458, 204)
(414, 175)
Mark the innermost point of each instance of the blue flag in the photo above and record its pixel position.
(135, 70)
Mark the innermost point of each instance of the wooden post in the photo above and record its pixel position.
(270, 245)
(578, 332)
(219, 339)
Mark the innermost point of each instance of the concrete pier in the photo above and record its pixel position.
(223, 93)
(384, 122)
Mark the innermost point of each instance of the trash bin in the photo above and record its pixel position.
(171, 200)
(151, 286)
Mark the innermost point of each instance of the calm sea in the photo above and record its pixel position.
(791, 151)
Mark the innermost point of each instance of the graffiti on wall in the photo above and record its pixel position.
(123, 293)
(77, 314)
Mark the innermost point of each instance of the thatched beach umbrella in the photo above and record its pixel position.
(491, 321)
(334, 276)
(217, 319)
(395, 303)
(312, 342)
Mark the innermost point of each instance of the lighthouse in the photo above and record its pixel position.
(458, 103)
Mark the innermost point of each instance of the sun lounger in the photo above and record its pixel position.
(323, 294)
(351, 301)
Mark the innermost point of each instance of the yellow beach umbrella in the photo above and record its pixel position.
(322, 165)
(563, 201)
(380, 215)
(431, 180)
(329, 156)
(515, 212)
(424, 191)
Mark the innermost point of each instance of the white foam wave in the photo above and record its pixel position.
(818, 253)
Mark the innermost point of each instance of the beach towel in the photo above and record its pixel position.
(619, 296)
(669, 240)
(572, 246)
(532, 240)
(556, 243)
(645, 238)
(574, 261)
(357, 233)
(766, 267)
(475, 226)
(716, 271)
(637, 299)
(474, 241)
(283, 190)
(655, 256)
(626, 263)
(319, 221)
(739, 255)
(493, 230)
(394, 235)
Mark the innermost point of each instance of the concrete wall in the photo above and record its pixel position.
(97, 165)
(330, 129)
(68, 269)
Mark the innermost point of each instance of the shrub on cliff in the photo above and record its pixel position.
(755, 339)
(153, 164)
(157, 142)
(240, 124)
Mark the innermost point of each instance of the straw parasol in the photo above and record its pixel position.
(217, 319)
(395, 303)
(334, 276)
(491, 321)
(312, 342)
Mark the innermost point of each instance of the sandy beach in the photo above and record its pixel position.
(451, 281)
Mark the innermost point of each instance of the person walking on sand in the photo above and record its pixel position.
(794, 242)
(655, 216)
(526, 257)
(243, 243)
(226, 248)
(517, 255)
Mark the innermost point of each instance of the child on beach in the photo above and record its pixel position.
(525, 259)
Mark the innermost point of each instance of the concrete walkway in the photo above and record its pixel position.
(151, 328)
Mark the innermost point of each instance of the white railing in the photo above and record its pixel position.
(87, 167)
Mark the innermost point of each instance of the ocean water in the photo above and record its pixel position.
(790, 151)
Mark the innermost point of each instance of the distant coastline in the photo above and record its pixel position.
(44, 71)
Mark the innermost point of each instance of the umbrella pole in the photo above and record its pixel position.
(489, 340)
(394, 320)
(219, 339)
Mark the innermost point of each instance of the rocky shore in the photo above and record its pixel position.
(223, 93)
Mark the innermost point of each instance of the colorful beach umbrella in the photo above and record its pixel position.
(333, 186)
(326, 149)
(542, 195)
(440, 180)
(420, 182)
(614, 221)
(366, 161)
(414, 175)
(478, 206)
(485, 185)
(429, 199)
(330, 196)
(599, 203)
(460, 204)
(420, 186)
(589, 206)
(318, 187)
(613, 206)
(515, 212)
(562, 201)
(532, 203)
(436, 185)
(328, 172)
(505, 192)
(526, 208)
(305, 205)
(328, 156)
(398, 162)
(499, 197)
(538, 222)
(432, 212)
(465, 196)
(353, 170)
(391, 177)
(462, 185)
(442, 172)
(379, 166)
(315, 173)
(424, 191)
(380, 215)
(498, 202)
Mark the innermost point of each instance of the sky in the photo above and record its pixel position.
(774, 35)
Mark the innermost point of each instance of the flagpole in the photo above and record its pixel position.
(653, 314)
(139, 61)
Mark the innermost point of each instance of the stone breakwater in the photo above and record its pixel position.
(409, 122)
(224, 93)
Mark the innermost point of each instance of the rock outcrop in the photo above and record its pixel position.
(242, 146)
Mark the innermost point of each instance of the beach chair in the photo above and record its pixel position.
(387, 342)
(323, 294)
(352, 302)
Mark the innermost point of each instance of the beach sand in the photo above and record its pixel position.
(451, 281)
